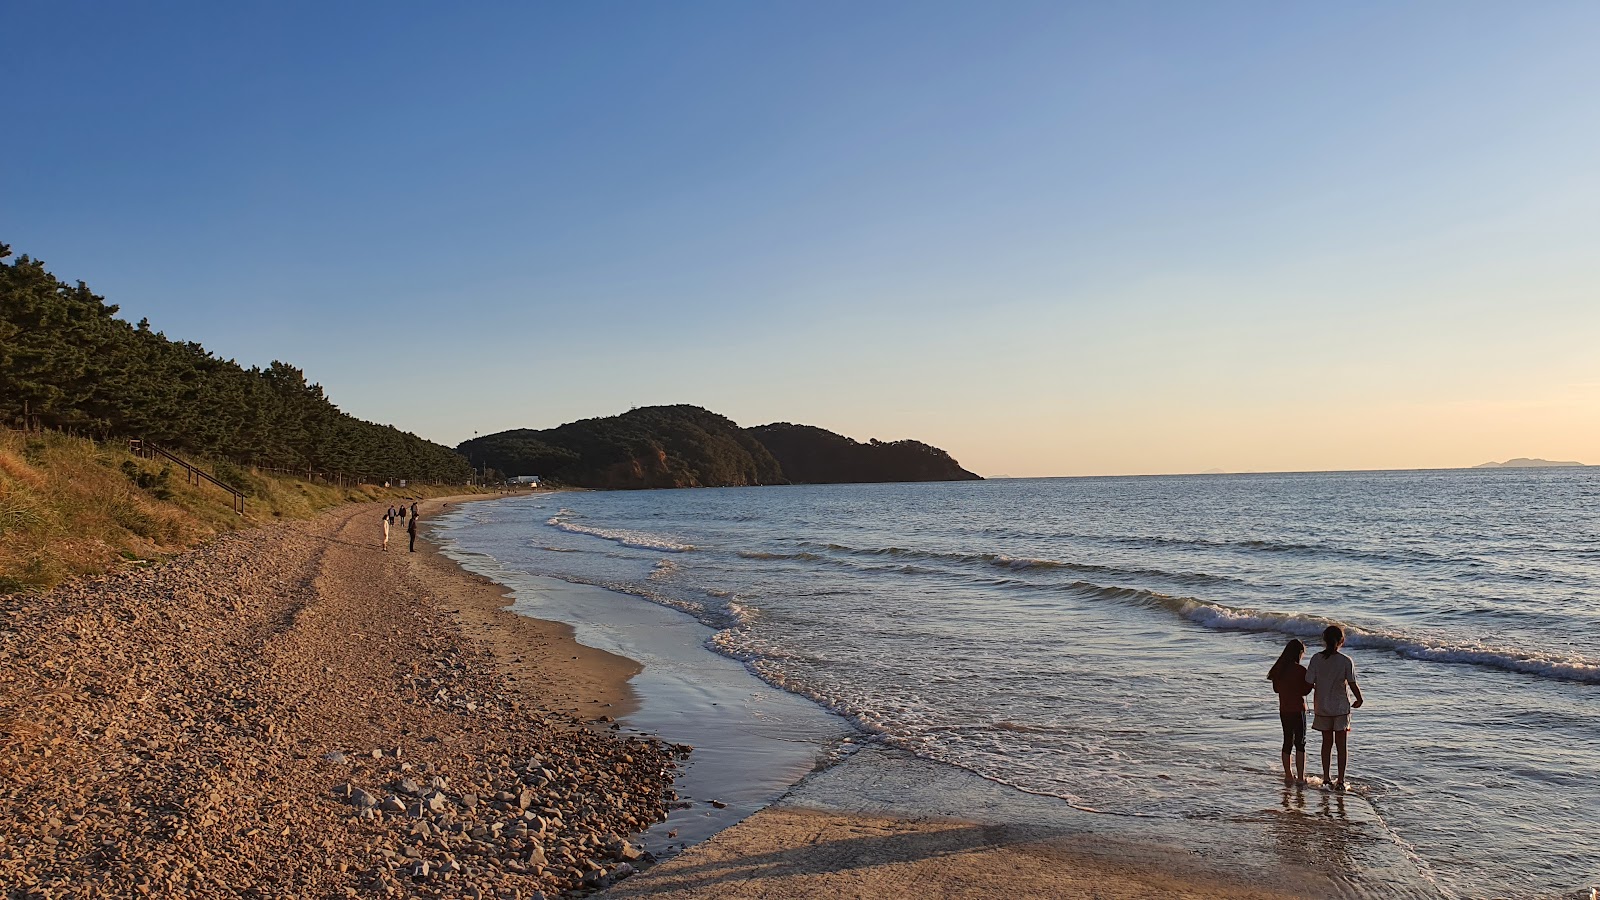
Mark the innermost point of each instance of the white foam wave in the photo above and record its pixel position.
(1227, 618)
(639, 540)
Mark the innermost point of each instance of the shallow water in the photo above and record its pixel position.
(1105, 640)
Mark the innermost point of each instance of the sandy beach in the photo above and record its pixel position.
(292, 712)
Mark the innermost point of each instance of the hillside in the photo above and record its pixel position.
(811, 455)
(650, 447)
(686, 446)
(67, 363)
(71, 506)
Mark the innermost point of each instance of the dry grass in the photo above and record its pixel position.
(71, 507)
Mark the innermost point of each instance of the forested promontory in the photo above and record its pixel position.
(812, 455)
(686, 446)
(649, 447)
(67, 362)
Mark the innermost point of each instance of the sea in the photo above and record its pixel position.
(1105, 641)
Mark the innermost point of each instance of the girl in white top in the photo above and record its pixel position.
(386, 529)
(1329, 672)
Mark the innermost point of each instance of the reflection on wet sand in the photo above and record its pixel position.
(1331, 835)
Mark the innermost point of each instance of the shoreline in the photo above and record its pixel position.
(594, 682)
(751, 741)
(881, 822)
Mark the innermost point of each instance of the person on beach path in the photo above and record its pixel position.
(1288, 679)
(386, 517)
(411, 529)
(1329, 672)
(413, 509)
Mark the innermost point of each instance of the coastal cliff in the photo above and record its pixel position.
(687, 446)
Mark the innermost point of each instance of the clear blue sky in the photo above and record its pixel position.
(1053, 239)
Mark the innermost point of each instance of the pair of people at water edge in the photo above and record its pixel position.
(1331, 676)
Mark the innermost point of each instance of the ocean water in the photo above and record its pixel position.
(1105, 641)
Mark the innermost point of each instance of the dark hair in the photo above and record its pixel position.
(1333, 636)
(1291, 654)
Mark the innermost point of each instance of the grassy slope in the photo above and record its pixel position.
(69, 507)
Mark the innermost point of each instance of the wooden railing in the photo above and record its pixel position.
(194, 474)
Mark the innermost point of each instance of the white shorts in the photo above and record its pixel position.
(1331, 723)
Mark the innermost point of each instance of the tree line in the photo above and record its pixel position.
(67, 362)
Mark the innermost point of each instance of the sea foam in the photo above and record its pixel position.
(1227, 618)
(639, 540)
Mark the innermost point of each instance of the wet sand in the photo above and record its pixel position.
(884, 823)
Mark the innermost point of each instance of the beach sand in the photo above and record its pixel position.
(542, 659)
(292, 712)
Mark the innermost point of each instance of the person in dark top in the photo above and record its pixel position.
(1288, 679)
(411, 529)
(413, 509)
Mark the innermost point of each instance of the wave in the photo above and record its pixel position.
(638, 540)
(999, 561)
(1221, 617)
(1246, 546)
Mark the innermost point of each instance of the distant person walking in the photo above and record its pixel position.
(386, 519)
(1288, 679)
(413, 509)
(411, 529)
(1329, 673)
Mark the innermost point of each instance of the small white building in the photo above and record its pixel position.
(526, 480)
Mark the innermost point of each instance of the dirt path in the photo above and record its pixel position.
(291, 712)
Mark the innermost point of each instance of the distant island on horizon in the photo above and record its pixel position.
(1523, 462)
(687, 446)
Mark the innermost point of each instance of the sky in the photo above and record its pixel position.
(1051, 238)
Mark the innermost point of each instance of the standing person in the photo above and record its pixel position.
(386, 519)
(1288, 679)
(413, 509)
(411, 529)
(1329, 672)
